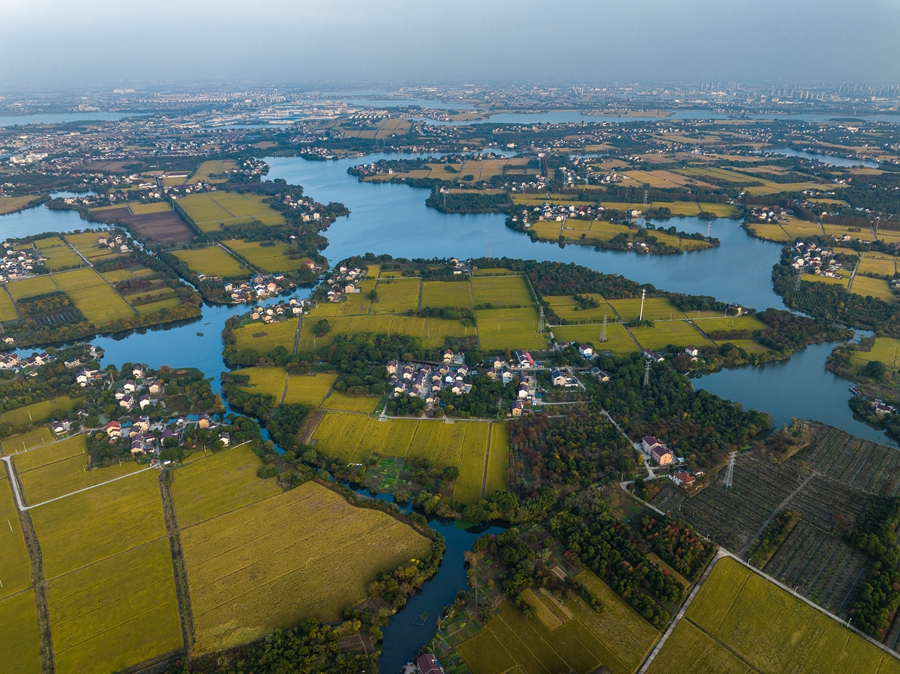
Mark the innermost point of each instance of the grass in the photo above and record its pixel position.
(655, 309)
(268, 256)
(309, 390)
(7, 308)
(264, 338)
(396, 296)
(874, 287)
(116, 612)
(440, 294)
(93, 296)
(212, 211)
(304, 553)
(99, 523)
(20, 648)
(37, 412)
(217, 484)
(212, 261)
(662, 334)
(513, 328)
(15, 564)
(265, 381)
(567, 309)
(885, 350)
(498, 460)
(738, 615)
(340, 401)
(501, 291)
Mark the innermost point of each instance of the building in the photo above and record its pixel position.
(586, 350)
(682, 479)
(652, 355)
(114, 429)
(428, 664)
(658, 450)
(517, 408)
(692, 351)
(558, 378)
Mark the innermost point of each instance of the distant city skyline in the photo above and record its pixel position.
(62, 44)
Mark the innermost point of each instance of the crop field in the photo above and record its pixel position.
(396, 296)
(885, 350)
(88, 244)
(155, 221)
(501, 291)
(304, 553)
(31, 287)
(874, 287)
(217, 484)
(13, 204)
(212, 261)
(878, 264)
(663, 333)
(214, 210)
(34, 438)
(581, 643)
(20, 648)
(513, 328)
(470, 460)
(341, 401)
(655, 309)
(138, 208)
(432, 331)
(7, 308)
(729, 324)
(267, 256)
(37, 412)
(15, 564)
(439, 294)
(766, 629)
(617, 338)
(567, 309)
(264, 338)
(498, 460)
(61, 257)
(815, 278)
(355, 304)
(93, 296)
(211, 168)
(99, 523)
(308, 390)
(51, 453)
(265, 381)
(771, 232)
(116, 612)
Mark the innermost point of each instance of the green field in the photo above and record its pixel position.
(432, 331)
(617, 338)
(566, 308)
(885, 350)
(31, 287)
(212, 261)
(269, 256)
(37, 412)
(34, 438)
(213, 210)
(309, 390)
(218, 483)
(93, 296)
(20, 647)
(874, 287)
(15, 564)
(7, 308)
(398, 296)
(60, 255)
(664, 333)
(512, 328)
(264, 338)
(340, 401)
(211, 168)
(498, 460)
(501, 291)
(88, 244)
(116, 612)
(265, 381)
(729, 324)
(440, 294)
(739, 621)
(268, 565)
(655, 309)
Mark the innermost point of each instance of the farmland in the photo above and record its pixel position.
(93, 296)
(501, 291)
(513, 328)
(309, 390)
(739, 621)
(7, 308)
(212, 211)
(655, 309)
(37, 412)
(498, 460)
(663, 333)
(214, 167)
(15, 565)
(212, 261)
(265, 380)
(263, 338)
(439, 294)
(267, 256)
(13, 204)
(304, 553)
(20, 648)
(432, 331)
(340, 401)
(396, 296)
(569, 310)
(874, 287)
(885, 350)
(155, 221)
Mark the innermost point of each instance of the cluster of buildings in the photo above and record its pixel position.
(146, 437)
(344, 281)
(18, 263)
(13, 361)
(256, 288)
(427, 380)
(811, 259)
(277, 312)
(140, 391)
(769, 214)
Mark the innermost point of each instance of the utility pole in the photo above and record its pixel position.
(646, 374)
(643, 295)
(603, 337)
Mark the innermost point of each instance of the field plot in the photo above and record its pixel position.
(439, 294)
(655, 309)
(31, 287)
(116, 612)
(340, 401)
(265, 381)
(885, 350)
(212, 261)
(874, 287)
(20, 648)
(213, 210)
(568, 309)
(432, 331)
(877, 264)
(264, 338)
(729, 324)
(303, 553)
(93, 296)
(308, 390)
(664, 333)
(61, 257)
(513, 328)
(502, 291)
(217, 484)
(34, 438)
(270, 256)
(396, 296)
(472, 452)
(215, 167)
(15, 564)
(617, 338)
(768, 629)
(155, 221)
(498, 460)
(13, 204)
(37, 412)
(7, 308)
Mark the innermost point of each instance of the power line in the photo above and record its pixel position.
(729, 471)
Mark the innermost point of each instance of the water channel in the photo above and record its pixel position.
(387, 218)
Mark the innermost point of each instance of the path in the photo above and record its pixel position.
(297, 336)
(487, 458)
(778, 509)
(853, 275)
(636, 446)
(78, 253)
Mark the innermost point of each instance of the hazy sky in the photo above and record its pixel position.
(49, 44)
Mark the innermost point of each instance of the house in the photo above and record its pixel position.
(137, 445)
(652, 355)
(138, 372)
(428, 664)
(558, 378)
(599, 375)
(517, 408)
(72, 363)
(586, 350)
(60, 427)
(392, 367)
(129, 386)
(203, 422)
(153, 386)
(448, 355)
(144, 401)
(682, 479)
(142, 423)
(127, 401)
(114, 429)
(657, 450)
(225, 438)
(692, 351)
(523, 390)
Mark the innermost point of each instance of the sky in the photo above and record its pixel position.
(61, 44)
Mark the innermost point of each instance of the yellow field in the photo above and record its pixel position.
(51, 453)
(263, 338)
(664, 333)
(33, 438)
(502, 291)
(339, 401)
(20, 647)
(655, 309)
(617, 338)
(93, 296)
(304, 553)
(39, 411)
(498, 460)
(815, 278)
(88, 244)
(13, 204)
(212, 261)
(439, 294)
(397, 296)
(146, 209)
(432, 331)
(566, 308)
(874, 287)
(729, 324)
(15, 564)
(307, 390)
(213, 210)
(877, 264)
(31, 287)
(513, 328)
(7, 308)
(265, 381)
(267, 256)
(885, 350)
(210, 168)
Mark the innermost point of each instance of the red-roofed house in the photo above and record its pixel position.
(428, 664)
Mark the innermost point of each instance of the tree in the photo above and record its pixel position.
(321, 328)
(875, 369)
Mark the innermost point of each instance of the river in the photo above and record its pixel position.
(393, 219)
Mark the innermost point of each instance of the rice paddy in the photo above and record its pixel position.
(439, 294)
(20, 648)
(263, 337)
(212, 261)
(501, 291)
(618, 340)
(499, 329)
(212, 211)
(268, 256)
(396, 296)
(38, 412)
(15, 564)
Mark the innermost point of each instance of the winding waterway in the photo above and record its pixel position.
(387, 218)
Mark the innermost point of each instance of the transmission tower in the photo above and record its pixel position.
(603, 337)
(646, 198)
(647, 374)
(729, 471)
